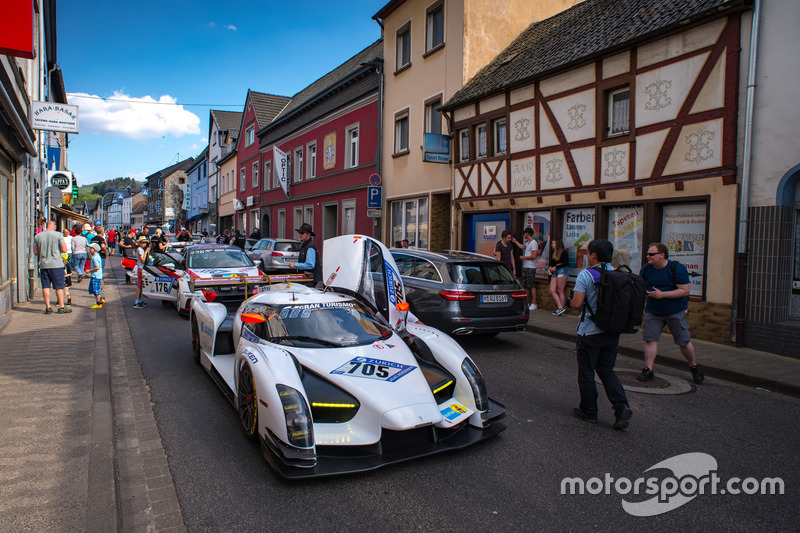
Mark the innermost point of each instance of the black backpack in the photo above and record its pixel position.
(620, 299)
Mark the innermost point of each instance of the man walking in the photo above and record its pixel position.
(667, 304)
(48, 246)
(308, 258)
(503, 251)
(596, 349)
(529, 266)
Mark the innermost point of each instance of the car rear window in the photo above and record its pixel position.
(287, 247)
(480, 273)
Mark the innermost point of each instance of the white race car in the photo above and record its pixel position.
(223, 273)
(339, 380)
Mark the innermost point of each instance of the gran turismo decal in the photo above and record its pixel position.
(366, 367)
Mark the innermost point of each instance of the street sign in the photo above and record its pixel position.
(374, 196)
(374, 213)
(375, 179)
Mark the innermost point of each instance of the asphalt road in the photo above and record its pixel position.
(510, 483)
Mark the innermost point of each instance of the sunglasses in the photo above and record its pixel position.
(651, 254)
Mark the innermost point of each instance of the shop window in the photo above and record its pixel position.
(577, 233)
(410, 221)
(434, 27)
(625, 231)
(403, 50)
(539, 222)
(683, 231)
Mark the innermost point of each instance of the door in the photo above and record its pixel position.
(484, 232)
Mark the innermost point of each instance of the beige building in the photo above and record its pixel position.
(226, 185)
(430, 50)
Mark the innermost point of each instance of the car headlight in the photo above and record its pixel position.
(478, 385)
(298, 421)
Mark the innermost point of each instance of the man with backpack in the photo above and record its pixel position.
(596, 348)
(668, 289)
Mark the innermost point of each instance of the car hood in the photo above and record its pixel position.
(363, 266)
(207, 273)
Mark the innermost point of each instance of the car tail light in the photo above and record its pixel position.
(457, 295)
(277, 254)
(209, 296)
(519, 295)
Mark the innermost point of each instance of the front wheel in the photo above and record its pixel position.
(195, 341)
(247, 402)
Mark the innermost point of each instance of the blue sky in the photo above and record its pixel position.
(125, 54)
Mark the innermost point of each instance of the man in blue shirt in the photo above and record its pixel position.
(596, 349)
(308, 258)
(668, 289)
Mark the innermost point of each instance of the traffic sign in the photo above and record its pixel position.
(374, 213)
(375, 179)
(374, 197)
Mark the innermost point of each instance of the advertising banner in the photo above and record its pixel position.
(683, 230)
(280, 163)
(625, 233)
(539, 222)
(54, 117)
(578, 232)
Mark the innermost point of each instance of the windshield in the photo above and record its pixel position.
(480, 273)
(331, 325)
(218, 258)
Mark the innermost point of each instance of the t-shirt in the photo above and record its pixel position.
(68, 242)
(48, 243)
(101, 241)
(530, 247)
(141, 253)
(79, 244)
(661, 280)
(506, 255)
(97, 262)
(127, 246)
(585, 283)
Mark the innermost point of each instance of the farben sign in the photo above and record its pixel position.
(54, 117)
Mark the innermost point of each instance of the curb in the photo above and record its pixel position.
(680, 364)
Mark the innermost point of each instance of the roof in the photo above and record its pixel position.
(166, 172)
(573, 36)
(227, 120)
(267, 106)
(332, 78)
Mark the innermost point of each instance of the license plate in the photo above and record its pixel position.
(494, 298)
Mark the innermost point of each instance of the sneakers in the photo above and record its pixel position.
(532, 307)
(138, 305)
(48, 310)
(102, 300)
(697, 374)
(561, 311)
(583, 415)
(64, 309)
(622, 417)
(646, 375)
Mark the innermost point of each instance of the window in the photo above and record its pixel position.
(255, 175)
(308, 215)
(403, 50)
(298, 164)
(618, 111)
(267, 174)
(410, 221)
(463, 136)
(433, 118)
(480, 140)
(242, 178)
(352, 147)
(434, 30)
(250, 136)
(282, 224)
(401, 133)
(298, 217)
(312, 160)
(500, 140)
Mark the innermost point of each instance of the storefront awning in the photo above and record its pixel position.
(66, 213)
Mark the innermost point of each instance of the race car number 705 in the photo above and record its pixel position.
(365, 367)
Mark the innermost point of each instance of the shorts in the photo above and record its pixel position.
(95, 284)
(529, 278)
(139, 278)
(653, 326)
(52, 276)
(561, 272)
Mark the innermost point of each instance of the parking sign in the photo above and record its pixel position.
(374, 197)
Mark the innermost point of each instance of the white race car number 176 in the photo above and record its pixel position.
(162, 284)
(365, 367)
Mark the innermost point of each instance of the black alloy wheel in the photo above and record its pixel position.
(247, 402)
(195, 341)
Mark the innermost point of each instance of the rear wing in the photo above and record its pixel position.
(257, 282)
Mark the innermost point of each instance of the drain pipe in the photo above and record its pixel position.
(744, 201)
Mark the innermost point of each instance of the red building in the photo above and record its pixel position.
(259, 110)
(330, 134)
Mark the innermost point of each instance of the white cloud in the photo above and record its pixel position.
(139, 118)
(231, 27)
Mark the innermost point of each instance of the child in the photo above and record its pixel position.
(96, 281)
(141, 260)
(67, 277)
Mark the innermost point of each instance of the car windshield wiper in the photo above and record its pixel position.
(306, 338)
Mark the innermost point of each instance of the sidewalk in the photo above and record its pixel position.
(79, 447)
(739, 365)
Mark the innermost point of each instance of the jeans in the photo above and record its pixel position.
(80, 263)
(598, 353)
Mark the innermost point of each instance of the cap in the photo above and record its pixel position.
(95, 246)
(305, 228)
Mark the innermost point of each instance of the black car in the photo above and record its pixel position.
(462, 293)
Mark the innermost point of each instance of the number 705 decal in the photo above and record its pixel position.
(365, 367)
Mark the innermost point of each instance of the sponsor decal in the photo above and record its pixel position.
(251, 356)
(366, 367)
(249, 335)
(162, 284)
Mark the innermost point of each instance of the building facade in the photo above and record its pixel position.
(196, 201)
(223, 130)
(164, 192)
